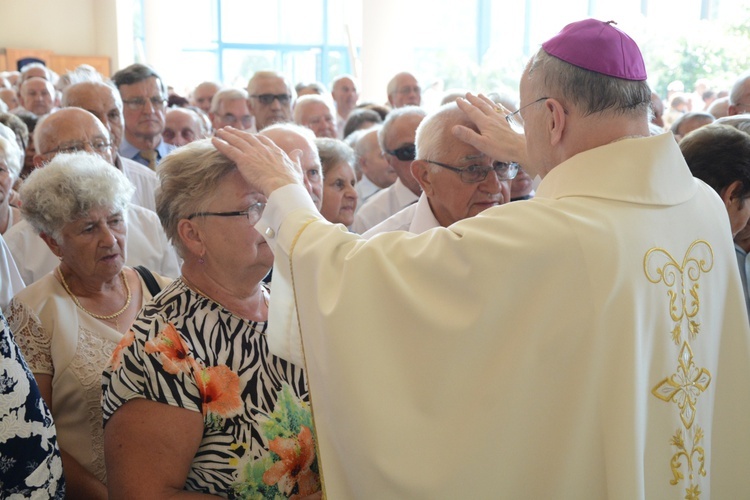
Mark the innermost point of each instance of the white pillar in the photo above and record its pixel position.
(387, 45)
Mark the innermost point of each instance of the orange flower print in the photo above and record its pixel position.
(297, 455)
(126, 341)
(175, 353)
(220, 390)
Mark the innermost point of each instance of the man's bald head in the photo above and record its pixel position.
(101, 100)
(290, 137)
(69, 130)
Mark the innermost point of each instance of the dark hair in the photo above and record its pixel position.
(358, 117)
(378, 108)
(719, 155)
(137, 73)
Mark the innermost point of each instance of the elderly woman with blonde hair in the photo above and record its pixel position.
(193, 400)
(68, 323)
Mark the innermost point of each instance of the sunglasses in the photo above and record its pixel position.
(404, 153)
(267, 99)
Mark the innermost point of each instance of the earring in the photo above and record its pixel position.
(201, 261)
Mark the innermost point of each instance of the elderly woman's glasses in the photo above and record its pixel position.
(478, 173)
(404, 153)
(253, 213)
(98, 145)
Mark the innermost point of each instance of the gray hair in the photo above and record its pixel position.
(391, 119)
(430, 138)
(317, 87)
(361, 148)
(591, 92)
(22, 77)
(332, 152)
(137, 73)
(305, 132)
(226, 95)
(188, 179)
(12, 154)
(303, 101)
(69, 187)
(82, 73)
(740, 122)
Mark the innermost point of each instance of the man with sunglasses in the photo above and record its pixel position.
(457, 180)
(589, 343)
(396, 138)
(269, 99)
(144, 99)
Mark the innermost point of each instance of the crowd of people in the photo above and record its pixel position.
(469, 295)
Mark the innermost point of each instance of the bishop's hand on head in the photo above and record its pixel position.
(262, 163)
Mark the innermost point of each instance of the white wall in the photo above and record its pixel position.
(67, 27)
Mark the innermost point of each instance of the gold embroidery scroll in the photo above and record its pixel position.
(689, 381)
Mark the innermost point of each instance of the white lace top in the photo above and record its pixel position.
(59, 339)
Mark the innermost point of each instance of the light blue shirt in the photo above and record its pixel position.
(129, 151)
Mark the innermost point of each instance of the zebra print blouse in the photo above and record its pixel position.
(188, 351)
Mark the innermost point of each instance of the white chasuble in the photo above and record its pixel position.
(590, 343)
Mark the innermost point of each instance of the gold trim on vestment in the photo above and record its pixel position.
(689, 381)
(304, 357)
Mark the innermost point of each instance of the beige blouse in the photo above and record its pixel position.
(59, 339)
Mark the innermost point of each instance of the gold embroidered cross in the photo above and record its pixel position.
(685, 386)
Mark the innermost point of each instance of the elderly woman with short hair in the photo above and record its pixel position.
(339, 181)
(68, 323)
(10, 169)
(193, 400)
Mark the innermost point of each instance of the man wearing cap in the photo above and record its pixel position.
(620, 370)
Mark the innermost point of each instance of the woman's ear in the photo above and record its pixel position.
(191, 236)
(52, 244)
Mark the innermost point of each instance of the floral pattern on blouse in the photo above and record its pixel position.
(187, 351)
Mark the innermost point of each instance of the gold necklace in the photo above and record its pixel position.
(94, 315)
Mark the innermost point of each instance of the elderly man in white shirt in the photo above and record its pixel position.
(377, 173)
(396, 138)
(103, 101)
(75, 129)
(458, 180)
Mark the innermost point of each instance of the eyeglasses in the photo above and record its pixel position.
(253, 213)
(478, 173)
(267, 99)
(512, 119)
(230, 119)
(99, 145)
(404, 153)
(137, 103)
(409, 89)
